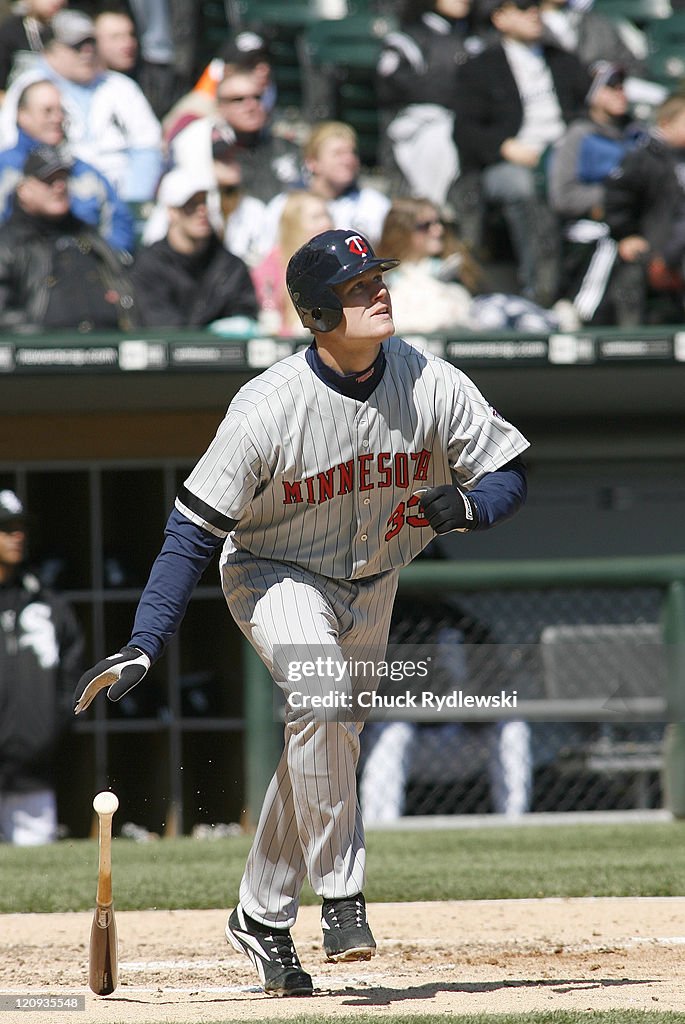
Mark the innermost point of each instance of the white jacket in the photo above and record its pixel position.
(110, 124)
(422, 304)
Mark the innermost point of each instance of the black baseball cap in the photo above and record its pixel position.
(246, 50)
(45, 161)
(12, 511)
(605, 73)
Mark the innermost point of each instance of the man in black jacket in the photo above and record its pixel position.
(56, 271)
(41, 648)
(188, 278)
(512, 103)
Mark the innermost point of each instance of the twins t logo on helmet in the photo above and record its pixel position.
(358, 245)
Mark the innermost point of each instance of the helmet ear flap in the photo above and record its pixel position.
(317, 305)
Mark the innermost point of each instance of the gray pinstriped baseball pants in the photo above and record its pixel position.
(310, 824)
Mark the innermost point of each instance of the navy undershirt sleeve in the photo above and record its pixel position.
(499, 495)
(185, 554)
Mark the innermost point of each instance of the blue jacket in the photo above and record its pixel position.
(93, 198)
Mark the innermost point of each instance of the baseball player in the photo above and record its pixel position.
(330, 471)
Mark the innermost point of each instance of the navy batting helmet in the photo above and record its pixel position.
(326, 260)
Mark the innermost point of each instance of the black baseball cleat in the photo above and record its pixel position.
(272, 951)
(346, 934)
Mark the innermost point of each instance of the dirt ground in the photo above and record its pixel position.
(439, 958)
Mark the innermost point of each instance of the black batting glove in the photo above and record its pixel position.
(447, 508)
(120, 672)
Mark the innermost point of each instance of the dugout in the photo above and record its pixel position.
(98, 431)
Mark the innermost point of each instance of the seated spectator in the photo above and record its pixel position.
(437, 267)
(269, 162)
(246, 51)
(331, 157)
(23, 34)
(415, 88)
(237, 217)
(415, 232)
(109, 122)
(55, 270)
(512, 102)
(188, 278)
(645, 211)
(332, 168)
(587, 152)
(116, 41)
(303, 216)
(40, 121)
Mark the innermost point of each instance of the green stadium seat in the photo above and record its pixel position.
(666, 50)
(338, 60)
(271, 13)
(640, 12)
(213, 32)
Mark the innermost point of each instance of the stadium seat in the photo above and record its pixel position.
(666, 50)
(338, 60)
(248, 13)
(213, 31)
(640, 12)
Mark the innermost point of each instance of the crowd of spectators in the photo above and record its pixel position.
(150, 187)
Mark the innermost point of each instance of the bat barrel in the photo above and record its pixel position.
(103, 960)
(103, 968)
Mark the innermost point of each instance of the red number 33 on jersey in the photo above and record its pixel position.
(400, 517)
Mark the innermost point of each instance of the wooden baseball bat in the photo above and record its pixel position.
(103, 959)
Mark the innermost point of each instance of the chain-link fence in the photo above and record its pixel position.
(595, 649)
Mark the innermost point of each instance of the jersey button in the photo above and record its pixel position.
(365, 444)
(363, 536)
(367, 501)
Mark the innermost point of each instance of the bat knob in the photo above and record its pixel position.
(105, 802)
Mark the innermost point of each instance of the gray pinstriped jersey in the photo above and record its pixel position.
(325, 481)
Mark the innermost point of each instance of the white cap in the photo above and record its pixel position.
(11, 507)
(72, 27)
(180, 185)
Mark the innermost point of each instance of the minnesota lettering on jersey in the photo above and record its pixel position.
(368, 471)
